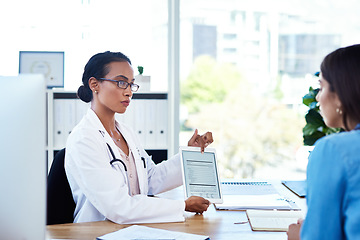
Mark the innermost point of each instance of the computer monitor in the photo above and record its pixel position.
(23, 157)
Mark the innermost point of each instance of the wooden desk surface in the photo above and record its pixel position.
(216, 224)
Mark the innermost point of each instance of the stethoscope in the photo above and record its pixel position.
(119, 160)
(115, 159)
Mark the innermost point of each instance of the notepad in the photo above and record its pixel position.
(272, 220)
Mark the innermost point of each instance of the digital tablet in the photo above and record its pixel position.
(200, 173)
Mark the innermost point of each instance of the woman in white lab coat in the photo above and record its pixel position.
(109, 172)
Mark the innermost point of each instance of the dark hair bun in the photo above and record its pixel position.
(85, 94)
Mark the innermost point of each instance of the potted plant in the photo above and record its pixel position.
(143, 81)
(315, 127)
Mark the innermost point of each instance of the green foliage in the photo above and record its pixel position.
(208, 82)
(140, 69)
(315, 127)
(250, 131)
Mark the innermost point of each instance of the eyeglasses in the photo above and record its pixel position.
(123, 84)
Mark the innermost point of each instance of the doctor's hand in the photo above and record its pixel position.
(294, 230)
(200, 141)
(196, 204)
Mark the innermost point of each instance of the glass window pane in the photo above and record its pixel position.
(245, 66)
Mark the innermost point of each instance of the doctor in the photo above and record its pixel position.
(109, 172)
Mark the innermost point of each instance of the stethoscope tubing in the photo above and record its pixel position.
(119, 160)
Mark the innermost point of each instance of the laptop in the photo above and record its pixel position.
(244, 195)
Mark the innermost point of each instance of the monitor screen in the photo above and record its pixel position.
(23, 157)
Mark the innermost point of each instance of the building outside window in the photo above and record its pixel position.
(250, 92)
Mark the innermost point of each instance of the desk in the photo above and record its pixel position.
(216, 224)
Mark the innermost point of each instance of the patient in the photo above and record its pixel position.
(333, 173)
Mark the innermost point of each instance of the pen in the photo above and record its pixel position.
(241, 222)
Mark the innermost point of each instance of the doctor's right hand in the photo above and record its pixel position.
(196, 204)
(200, 141)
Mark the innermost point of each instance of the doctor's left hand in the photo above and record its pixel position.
(200, 141)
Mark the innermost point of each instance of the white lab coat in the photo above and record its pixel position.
(101, 191)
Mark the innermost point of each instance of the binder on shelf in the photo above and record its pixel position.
(81, 109)
(146, 115)
(129, 115)
(139, 120)
(65, 118)
(150, 123)
(59, 123)
(70, 118)
(161, 123)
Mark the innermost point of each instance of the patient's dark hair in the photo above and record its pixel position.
(97, 67)
(341, 69)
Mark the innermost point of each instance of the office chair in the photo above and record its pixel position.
(60, 202)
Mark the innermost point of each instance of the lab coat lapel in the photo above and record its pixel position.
(139, 163)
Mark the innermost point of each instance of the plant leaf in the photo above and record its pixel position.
(310, 96)
(313, 117)
(311, 139)
(309, 129)
(308, 99)
(314, 105)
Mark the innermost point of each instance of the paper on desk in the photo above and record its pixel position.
(267, 201)
(136, 232)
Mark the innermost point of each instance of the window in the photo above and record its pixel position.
(230, 36)
(249, 94)
(230, 50)
(244, 65)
